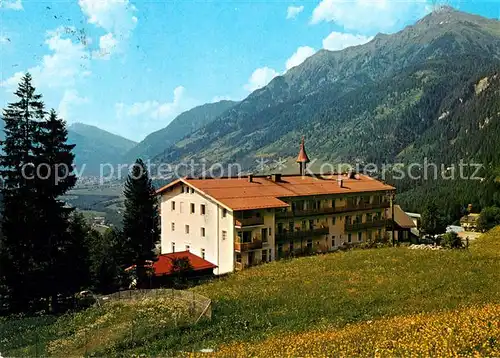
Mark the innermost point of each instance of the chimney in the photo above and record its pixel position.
(340, 182)
(276, 178)
(250, 178)
(351, 174)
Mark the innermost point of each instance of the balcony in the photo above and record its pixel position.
(296, 235)
(325, 211)
(253, 221)
(365, 225)
(247, 246)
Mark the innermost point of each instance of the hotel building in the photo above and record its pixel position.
(237, 222)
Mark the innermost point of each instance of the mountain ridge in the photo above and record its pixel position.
(287, 107)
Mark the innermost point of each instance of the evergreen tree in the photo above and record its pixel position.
(19, 265)
(433, 222)
(141, 228)
(60, 247)
(107, 263)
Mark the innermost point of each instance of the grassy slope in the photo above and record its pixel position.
(330, 293)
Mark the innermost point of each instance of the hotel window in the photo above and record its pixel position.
(173, 246)
(264, 235)
(269, 232)
(187, 247)
(202, 232)
(173, 205)
(182, 188)
(192, 190)
(291, 246)
(333, 203)
(224, 213)
(360, 236)
(202, 209)
(334, 220)
(333, 241)
(224, 235)
(264, 255)
(173, 226)
(309, 244)
(181, 206)
(187, 229)
(349, 237)
(203, 253)
(192, 208)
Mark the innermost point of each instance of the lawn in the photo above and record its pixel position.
(280, 307)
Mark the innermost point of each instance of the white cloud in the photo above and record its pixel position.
(70, 99)
(107, 46)
(369, 16)
(339, 40)
(299, 56)
(293, 11)
(68, 62)
(114, 16)
(260, 78)
(11, 4)
(145, 117)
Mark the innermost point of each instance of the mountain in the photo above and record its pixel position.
(381, 102)
(181, 126)
(95, 146)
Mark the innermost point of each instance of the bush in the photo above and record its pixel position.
(451, 240)
(489, 218)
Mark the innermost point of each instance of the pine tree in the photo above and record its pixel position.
(433, 222)
(19, 265)
(141, 228)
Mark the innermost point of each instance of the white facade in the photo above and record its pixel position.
(192, 221)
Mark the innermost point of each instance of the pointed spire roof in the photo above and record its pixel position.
(302, 157)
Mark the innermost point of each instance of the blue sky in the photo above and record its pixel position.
(131, 66)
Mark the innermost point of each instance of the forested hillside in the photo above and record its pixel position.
(94, 146)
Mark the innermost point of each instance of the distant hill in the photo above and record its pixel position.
(95, 146)
(182, 125)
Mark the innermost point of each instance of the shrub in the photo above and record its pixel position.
(451, 240)
(489, 218)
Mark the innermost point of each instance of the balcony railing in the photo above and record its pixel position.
(301, 234)
(253, 221)
(365, 225)
(247, 246)
(338, 209)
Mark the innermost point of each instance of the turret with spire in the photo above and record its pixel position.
(302, 158)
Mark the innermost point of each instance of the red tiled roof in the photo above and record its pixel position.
(164, 264)
(262, 192)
